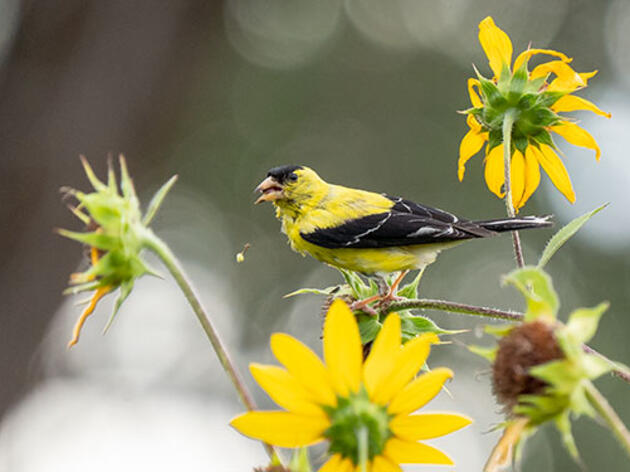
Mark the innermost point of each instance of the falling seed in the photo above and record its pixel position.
(240, 257)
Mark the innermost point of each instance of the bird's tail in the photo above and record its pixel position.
(514, 224)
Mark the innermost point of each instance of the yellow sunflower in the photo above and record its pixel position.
(363, 409)
(532, 99)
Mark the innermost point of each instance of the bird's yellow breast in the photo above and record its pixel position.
(338, 206)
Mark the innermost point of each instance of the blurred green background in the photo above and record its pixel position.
(365, 92)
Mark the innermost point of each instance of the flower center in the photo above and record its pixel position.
(352, 415)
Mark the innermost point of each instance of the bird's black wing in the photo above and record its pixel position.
(406, 223)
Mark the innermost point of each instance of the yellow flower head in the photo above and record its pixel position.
(363, 409)
(534, 100)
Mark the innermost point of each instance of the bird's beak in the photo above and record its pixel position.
(271, 190)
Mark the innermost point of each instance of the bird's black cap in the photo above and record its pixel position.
(281, 173)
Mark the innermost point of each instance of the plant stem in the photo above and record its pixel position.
(508, 122)
(174, 267)
(601, 405)
(495, 313)
(362, 440)
(453, 307)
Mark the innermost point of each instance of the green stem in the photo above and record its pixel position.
(174, 267)
(453, 307)
(603, 408)
(362, 440)
(508, 122)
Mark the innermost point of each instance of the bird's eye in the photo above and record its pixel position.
(293, 177)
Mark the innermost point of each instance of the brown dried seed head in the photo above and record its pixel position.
(526, 346)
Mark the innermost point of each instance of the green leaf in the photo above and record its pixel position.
(125, 290)
(536, 287)
(413, 325)
(158, 198)
(316, 291)
(563, 424)
(94, 180)
(582, 324)
(563, 374)
(594, 366)
(359, 288)
(411, 290)
(499, 330)
(563, 235)
(369, 327)
(491, 93)
(517, 83)
(97, 240)
(488, 353)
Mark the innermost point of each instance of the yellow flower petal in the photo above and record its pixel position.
(525, 56)
(305, 366)
(496, 44)
(342, 348)
(419, 392)
(332, 464)
(379, 363)
(383, 464)
(284, 389)
(585, 76)
(407, 363)
(470, 145)
(556, 171)
(281, 428)
(427, 425)
(577, 136)
(474, 96)
(517, 179)
(404, 452)
(494, 171)
(566, 79)
(532, 174)
(573, 103)
(345, 465)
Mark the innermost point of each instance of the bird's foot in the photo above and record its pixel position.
(364, 305)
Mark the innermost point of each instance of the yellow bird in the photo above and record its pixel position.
(371, 233)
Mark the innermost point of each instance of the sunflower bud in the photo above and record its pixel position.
(116, 235)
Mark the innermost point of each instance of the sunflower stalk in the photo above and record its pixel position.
(362, 440)
(508, 123)
(610, 417)
(171, 262)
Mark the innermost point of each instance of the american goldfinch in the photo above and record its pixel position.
(371, 233)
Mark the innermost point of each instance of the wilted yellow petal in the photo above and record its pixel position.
(419, 392)
(470, 145)
(556, 171)
(404, 452)
(380, 362)
(577, 136)
(526, 55)
(305, 366)
(474, 96)
(532, 174)
(281, 428)
(573, 103)
(427, 425)
(517, 179)
(566, 79)
(332, 464)
(284, 389)
(383, 464)
(408, 362)
(342, 348)
(496, 44)
(495, 171)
